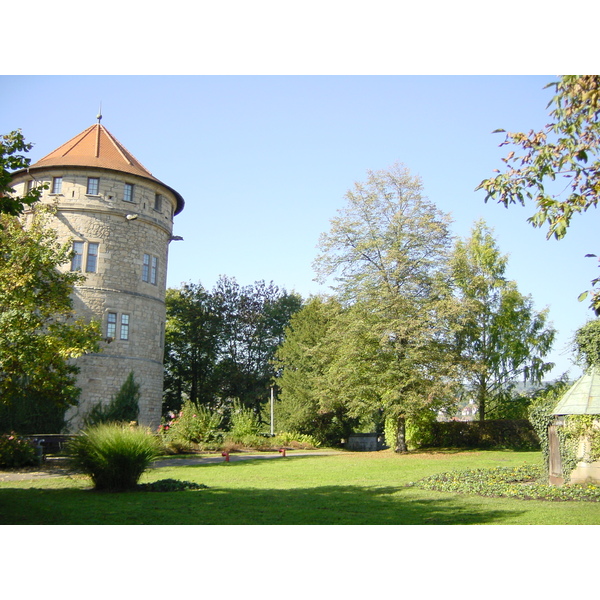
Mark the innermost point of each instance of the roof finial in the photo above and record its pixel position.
(99, 115)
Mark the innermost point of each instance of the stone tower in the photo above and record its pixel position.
(119, 218)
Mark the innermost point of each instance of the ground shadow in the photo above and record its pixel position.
(326, 505)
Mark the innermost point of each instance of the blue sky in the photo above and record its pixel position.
(263, 163)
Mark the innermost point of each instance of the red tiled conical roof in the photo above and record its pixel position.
(94, 147)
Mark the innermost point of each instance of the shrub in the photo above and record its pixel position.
(505, 434)
(171, 485)
(419, 432)
(33, 413)
(244, 423)
(114, 455)
(249, 441)
(296, 440)
(123, 408)
(16, 452)
(192, 425)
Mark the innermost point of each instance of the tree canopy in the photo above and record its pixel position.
(220, 344)
(12, 145)
(499, 337)
(306, 404)
(39, 332)
(586, 344)
(558, 167)
(387, 251)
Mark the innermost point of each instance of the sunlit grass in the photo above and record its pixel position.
(351, 489)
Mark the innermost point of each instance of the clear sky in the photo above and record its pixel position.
(263, 163)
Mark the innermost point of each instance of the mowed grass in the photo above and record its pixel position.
(342, 489)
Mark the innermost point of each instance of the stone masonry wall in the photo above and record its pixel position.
(117, 286)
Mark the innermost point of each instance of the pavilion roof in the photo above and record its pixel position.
(583, 398)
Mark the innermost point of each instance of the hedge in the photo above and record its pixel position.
(501, 434)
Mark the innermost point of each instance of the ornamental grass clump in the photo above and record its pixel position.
(114, 455)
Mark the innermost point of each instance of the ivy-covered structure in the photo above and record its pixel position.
(574, 435)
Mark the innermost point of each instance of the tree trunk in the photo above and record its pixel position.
(401, 436)
(481, 407)
(481, 399)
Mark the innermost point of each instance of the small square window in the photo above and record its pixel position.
(128, 192)
(93, 184)
(77, 260)
(57, 185)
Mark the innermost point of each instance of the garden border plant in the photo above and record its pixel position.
(523, 482)
(16, 452)
(197, 428)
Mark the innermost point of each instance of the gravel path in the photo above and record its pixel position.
(57, 467)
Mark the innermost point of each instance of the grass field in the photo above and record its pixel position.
(342, 489)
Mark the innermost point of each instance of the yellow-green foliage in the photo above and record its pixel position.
(114, 455)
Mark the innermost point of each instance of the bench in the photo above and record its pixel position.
(51, 443)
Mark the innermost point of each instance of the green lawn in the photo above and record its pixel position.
(344, 489)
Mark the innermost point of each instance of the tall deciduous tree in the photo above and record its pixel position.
(254, 320)
(499, 336)
(192, 337)
(220, 345)
(388, 251)
(567, 150)
(38, 331)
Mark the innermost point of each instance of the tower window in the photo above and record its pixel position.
(90, 256)
(93, 183)
(91, 264)
(158, 202)
(124, 327)
(77, 260)
(128, 192)
(150, 269)
(153, 269)
(56, 185)
(111, 325)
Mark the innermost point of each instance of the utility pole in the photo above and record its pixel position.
(272, 428)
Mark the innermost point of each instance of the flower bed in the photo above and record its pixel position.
(524, 482)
